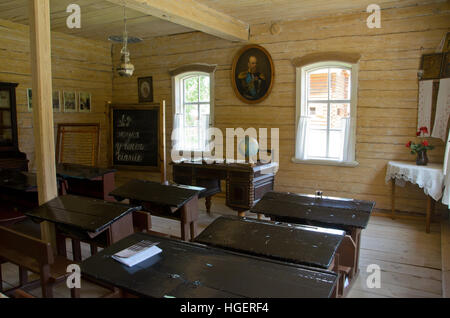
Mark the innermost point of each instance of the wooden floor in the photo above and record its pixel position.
(409, 259)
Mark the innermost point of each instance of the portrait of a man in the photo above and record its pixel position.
(251, 81)
(253, 74)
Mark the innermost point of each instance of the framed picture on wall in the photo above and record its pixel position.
(29, 99)
(431, 66)
(84, 102)
(252, 74)
(446, 48)
(70, 101)
(56, 98)
(145, 89)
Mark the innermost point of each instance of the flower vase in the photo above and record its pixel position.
(422, 158)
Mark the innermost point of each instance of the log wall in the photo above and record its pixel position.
(387, 96)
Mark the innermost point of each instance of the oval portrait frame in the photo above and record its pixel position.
(237, 58)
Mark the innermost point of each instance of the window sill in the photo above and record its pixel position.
(326, 162)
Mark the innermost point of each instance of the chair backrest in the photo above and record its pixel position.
(78, 144)
(24, 250)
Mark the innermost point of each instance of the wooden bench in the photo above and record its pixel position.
(34, 255)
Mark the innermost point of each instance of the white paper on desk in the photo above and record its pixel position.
(137, 253)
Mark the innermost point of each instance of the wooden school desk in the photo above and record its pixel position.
(177, 202)
(299, 244)
(345, 214)
(245, 183)
(85, 219)
(190, 270)
(87, 181)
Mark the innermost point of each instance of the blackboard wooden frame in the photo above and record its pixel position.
(153, 107)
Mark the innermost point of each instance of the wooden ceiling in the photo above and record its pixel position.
(260, 11)
(102, 18)
(99, 19)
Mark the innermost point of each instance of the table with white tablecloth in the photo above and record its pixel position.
(430, 178)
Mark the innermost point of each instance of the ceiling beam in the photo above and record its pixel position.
(192, 14)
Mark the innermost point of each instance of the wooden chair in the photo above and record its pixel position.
(78, 144)
(34, 255)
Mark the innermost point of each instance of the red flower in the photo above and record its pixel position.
(425, 143)
(424, 129)
(418, 133)
(408, 144)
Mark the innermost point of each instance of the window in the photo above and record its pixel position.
(193, 111)
(326, 113)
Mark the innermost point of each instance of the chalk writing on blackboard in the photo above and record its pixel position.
(124, 121)
(135, 137)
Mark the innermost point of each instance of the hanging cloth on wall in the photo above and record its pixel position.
(442, 110)
(425, 104)
(446, 170)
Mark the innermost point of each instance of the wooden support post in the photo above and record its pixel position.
(39, 13)
(163, 163)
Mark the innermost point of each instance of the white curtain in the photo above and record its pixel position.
(177, 133)
(348, 152)
(204, 137)
(302, 130)
(446, 171)
(442, 109)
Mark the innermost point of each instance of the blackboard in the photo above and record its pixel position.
(135, 137)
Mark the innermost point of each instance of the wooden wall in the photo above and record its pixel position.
(387, 97)
(77, 65)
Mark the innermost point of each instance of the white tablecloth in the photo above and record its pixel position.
(429, 177)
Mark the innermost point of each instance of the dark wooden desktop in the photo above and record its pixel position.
(300, 244)
(245, 183)
(190, 270)
(87, 181)
(85, 219)
(177, 202)
(345, 214)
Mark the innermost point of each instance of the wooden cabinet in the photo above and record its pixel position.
(10, 156)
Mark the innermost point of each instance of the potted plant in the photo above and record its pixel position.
(420, 148)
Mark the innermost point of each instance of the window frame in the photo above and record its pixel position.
(178, 95)
(302, 109)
